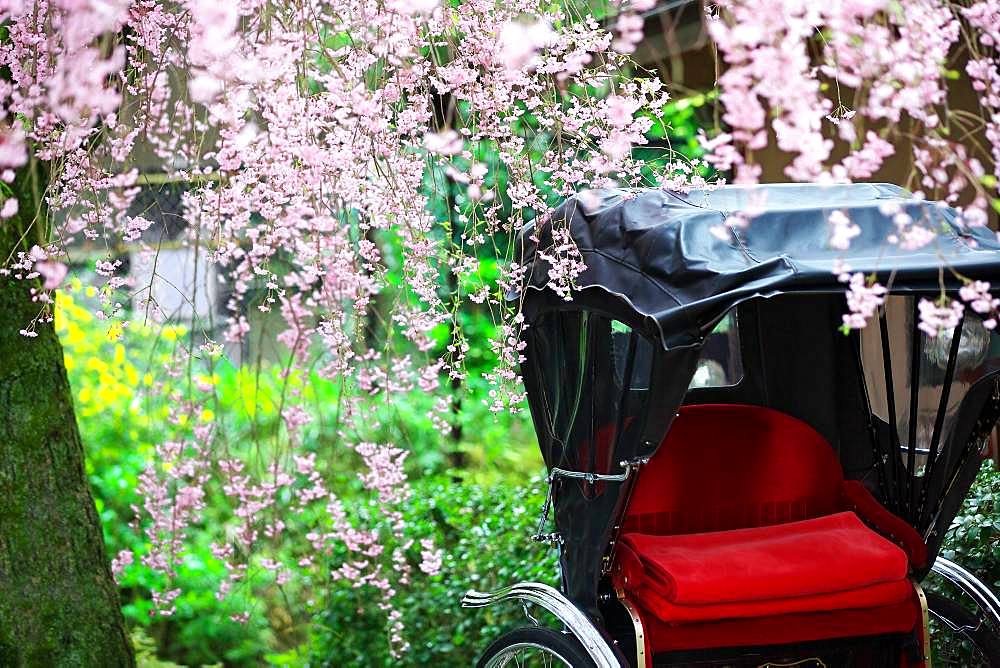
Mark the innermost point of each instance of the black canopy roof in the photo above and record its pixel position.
(657, 255)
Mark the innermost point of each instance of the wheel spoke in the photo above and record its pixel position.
(527, 655)
(954, 644)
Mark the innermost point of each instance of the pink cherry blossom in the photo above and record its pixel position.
(864, 162)
(444, 143)
(629, 30)
(619, 110)
(431, 558)
(520, 41)
(843, 230)
(53, 272)
(13, 152)
(937, 317)
(977, 295)
(863, 299)
(307, 165)
(9, 208)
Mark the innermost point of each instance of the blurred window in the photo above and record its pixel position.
(720, 363)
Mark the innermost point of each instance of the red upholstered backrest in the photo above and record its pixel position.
(730, 466)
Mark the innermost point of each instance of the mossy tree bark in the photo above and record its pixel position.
(58, 601)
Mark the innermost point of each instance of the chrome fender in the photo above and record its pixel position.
(552, 600)
(971, 585)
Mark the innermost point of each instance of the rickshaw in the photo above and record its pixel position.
(735, 477)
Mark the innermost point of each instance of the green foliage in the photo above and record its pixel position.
(679, 123)
(482, 515)
(974, 537)
(485, 534)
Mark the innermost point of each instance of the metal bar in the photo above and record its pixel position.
(872, 432)
(894, 443)
(609, 558)
(926, 632)
(552, 600)
(629, 466)
(984, 597)
(916, 348)
(974, 445)
(641, 660)
(949, 376)
(592, 348)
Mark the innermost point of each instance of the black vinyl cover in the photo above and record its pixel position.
(656, 253)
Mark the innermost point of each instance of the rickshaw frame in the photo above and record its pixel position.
(604, 656)
(626, 241)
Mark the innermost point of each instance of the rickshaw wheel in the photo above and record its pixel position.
(535, 646)
(959, 637)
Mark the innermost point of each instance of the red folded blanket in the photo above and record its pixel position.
(826, 555)
(875, 596)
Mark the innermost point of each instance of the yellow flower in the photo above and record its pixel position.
(115, 331)
(97, 365)
(207, 415)
(107, 395)
(73, 336)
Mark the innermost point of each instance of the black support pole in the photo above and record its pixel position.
(949, 376)
(916, 348)
(893, 454)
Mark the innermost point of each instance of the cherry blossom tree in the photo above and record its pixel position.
(313, 138)
(842, 88)
(318, 141)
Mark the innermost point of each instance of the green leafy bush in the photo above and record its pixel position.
(485, 535)
(974, 537)
(481, 520)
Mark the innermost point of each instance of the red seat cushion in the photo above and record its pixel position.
(731, 466)
(736, 534)
(886, 593)
(827, 563)
(780, 629)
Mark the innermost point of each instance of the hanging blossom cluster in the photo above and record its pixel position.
(345, 163)
(841, 86)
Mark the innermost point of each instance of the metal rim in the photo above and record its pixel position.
(971, 654)
(965, 580)
(963, 629)
(961, 637)
(511, 653)
(578, 624)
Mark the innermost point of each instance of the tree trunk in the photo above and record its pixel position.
(58, 601)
